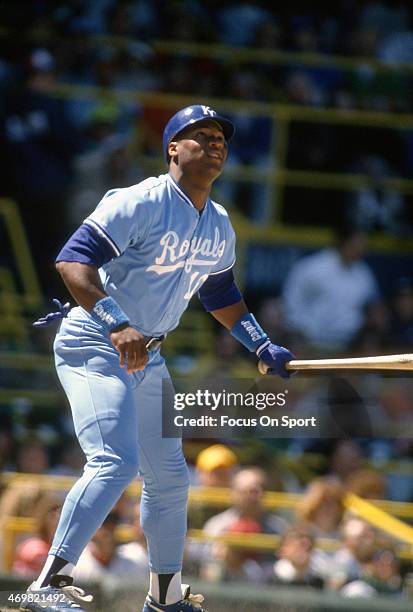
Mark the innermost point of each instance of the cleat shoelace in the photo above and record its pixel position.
(75, 594)
(195, 601)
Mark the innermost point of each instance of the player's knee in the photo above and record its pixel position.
(117, 468)
(178, 483)
(129, 468)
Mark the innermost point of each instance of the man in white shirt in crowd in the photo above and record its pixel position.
(331, 295)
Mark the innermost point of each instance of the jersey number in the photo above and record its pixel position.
(195, 283)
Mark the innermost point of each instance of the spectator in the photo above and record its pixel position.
(345, 459)
(135, 550)
(248, 487)
(20, 499)
(71, 461)
(32, 457)
(6, 441)
(380, 575)
(295, 560)
(376, 206)
(215, 466)
(239, 22)
(227, 563)
(246, 515)
(367, 483)
(101, 560)
(106, 162)
(40, 142)
(330, 295)
(31, 554)
(358, 544)
(400, 333)
(321, 507)
(384, 17)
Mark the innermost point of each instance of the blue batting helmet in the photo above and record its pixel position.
(190, 115)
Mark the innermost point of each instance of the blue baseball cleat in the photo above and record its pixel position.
(189, 603)
(60, 595)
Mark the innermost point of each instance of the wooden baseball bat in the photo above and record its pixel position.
(382, 362)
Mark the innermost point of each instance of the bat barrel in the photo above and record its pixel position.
(382, 362)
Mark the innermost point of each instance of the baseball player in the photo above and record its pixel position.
(132, 267)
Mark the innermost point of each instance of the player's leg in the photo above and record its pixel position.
(104, 414)
(165, 491)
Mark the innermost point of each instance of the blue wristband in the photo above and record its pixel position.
(249, 332)
(109, 314)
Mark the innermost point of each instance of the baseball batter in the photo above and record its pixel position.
(132, 267)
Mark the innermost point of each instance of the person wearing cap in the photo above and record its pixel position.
(132, 267)
(215, 466)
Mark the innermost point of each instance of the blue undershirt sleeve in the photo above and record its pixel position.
(88, 247)
(219, 290)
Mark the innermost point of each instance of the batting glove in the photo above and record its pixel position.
(275, 357)
(53, 316)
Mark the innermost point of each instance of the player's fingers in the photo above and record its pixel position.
(131, 359)
(137, 356)
(141, 358)
(122, 357)
(142, 361)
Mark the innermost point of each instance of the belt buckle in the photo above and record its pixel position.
(154, 343)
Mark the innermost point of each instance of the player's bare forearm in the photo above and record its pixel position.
(229, 315)
(83, 282)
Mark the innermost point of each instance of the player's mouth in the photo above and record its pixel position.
(216, 156)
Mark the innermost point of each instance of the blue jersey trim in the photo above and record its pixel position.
(104, 235)
(219, 291)
(86, 246)
(224, 270)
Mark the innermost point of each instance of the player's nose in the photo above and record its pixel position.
(217, 144)
(216, 141)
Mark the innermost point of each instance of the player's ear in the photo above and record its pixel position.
(172, 148)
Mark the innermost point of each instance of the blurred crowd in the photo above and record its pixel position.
(61, 151)
(316, 542)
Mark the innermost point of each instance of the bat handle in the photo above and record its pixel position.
(263, 368)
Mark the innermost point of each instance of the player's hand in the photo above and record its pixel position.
(275, 357)
(131, 346)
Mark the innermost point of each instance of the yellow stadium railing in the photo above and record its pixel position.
(249, 55)
(379, 518)
(225, 53)
(213, 496)
(20, 251)
(276, 176)
(14, 526)
(12, 322)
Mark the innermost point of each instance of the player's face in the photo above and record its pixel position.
(203, 146)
